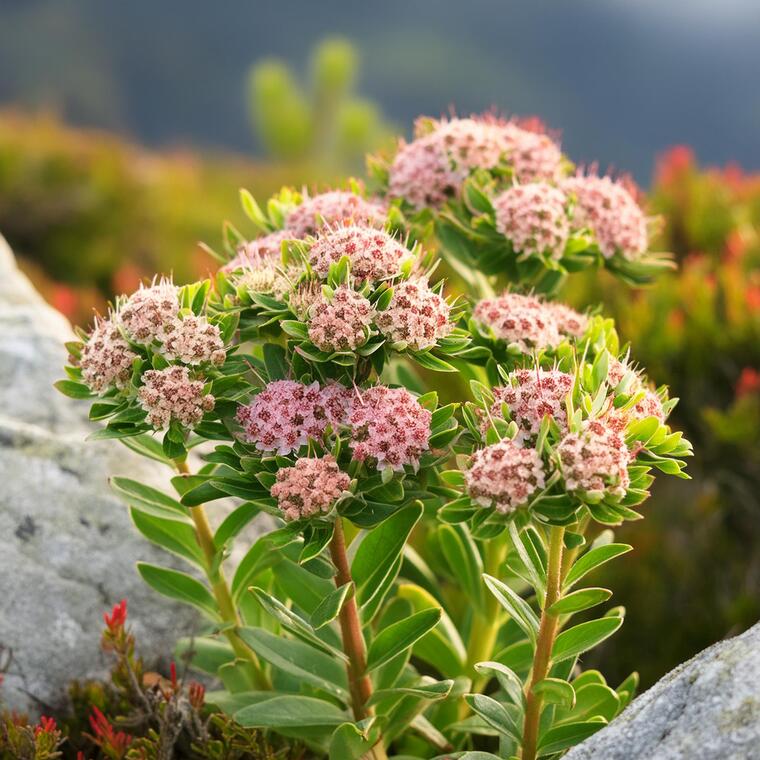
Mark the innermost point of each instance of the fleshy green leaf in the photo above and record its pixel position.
(180, 586)
(592, 559)
(556, 691)
(399, 637)
(584, 636)
(580, 600)
(291, 712)
(330, 606)
(520, 611)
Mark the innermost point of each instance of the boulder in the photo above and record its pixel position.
(706, 709)
(67, 546)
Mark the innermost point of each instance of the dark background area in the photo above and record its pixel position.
(623, 80)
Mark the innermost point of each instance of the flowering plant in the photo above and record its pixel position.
(414, 593)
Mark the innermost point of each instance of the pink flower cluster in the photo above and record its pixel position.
(171, 394)
(193, 340)
(283, 416)
(518, 319)
(334, 207)
(390, 426)
(611, 212)
(595, 460)
(106, 359)
(504, 475)
(533, 217)
(341, 323)
(531, 395)
(648, 406)
(150, 313)
(336, 401)
(528, 322)
(258, 253)
(416, 315)
(374, 254)
(310, 487)
(432, 168)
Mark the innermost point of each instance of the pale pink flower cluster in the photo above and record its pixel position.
(106, 360)
(649, 406)
(259, 253)
(336, 401)
(569, 321)
(283, 416)
(531, 395)
(504, 475)
(171, 394)
(533, 217)
(416, 315)
(150, 313)
(518, 319)
(340, 323)
(374, 254)
(334, 207)
(595, 460)
(609, 210)
(389, 426)
(432, 168)
(534, 156)
(303, 297)
(193, 340)
(310, 487)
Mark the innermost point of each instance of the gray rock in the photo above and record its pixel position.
(67, 545)
(706, 709)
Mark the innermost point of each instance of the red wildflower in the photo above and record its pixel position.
(46, 725)
(748, 383)
(117, 618)
(673, 164)
(113, 742)
(197, 694)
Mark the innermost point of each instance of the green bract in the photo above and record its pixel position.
(414, 580)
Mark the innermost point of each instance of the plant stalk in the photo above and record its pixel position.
(359, 683)
(547, 632)
(221, 591)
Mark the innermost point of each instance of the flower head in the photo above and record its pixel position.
(504, 475)
(118, 617)
(255, 254)
(340, 323)
(264, 278)
(335, 399)
(106, 359)
(310, 487)
(607, 208)
(534, 156)
(374, 254)
(416, 315)
(568, 321)
(533, 218)
(334, 207)
(149, 313)
(595, 460)
(171, 394)
(390, 426)
(522, 320)
(283, 416)
(531, 395)
(193, 340)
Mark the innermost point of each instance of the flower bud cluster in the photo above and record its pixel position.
(261, 253)
(332, 208)
(150, 313)
(106, 360)
(611, 212)
(193, 340)
(310, 487)
(172, 394)
(416, 315)
(341, 322)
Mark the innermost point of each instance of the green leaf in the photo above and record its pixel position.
(580, 600)
(291, 712)
(507, 678)
(147, 446)
(300, 660)
(73, 390)
(463, 561)
(399, 637)
(350, 742)
(275, 361)
(150, 500)
(330, 607)
(180, 586)
(176, 537)
(204, 653)
(585, 636)
(428, 361)
(431, 691)
(530, 557)
(592, 559)
(594, 700)
(562, 737)
(494, 714)
(520, 611)
(380, 550)
(556, 691)
(235, 522)
(260, 557)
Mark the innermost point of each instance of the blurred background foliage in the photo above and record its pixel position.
(90, 213)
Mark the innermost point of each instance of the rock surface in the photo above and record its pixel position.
(706, 709)
(67, 546)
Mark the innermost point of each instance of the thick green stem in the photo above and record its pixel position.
(547, 632)
(221, 591)
(359, 683)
